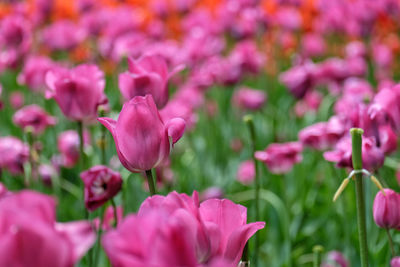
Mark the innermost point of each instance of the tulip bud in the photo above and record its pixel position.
(101, 184)
(246, 172)
(386, 209)
(395, 262)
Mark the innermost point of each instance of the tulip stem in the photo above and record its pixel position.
(250, 124)
(390, 242)
(356, 142)
(317, 250)
(99, 232)
(150, 182)
(115, 212)
(81, 145)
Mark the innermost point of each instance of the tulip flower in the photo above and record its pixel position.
(78, 91)
(141, 137)
(34, 72)
(13, 154)
(247, 98)
(280, 158)
(68, 145)
(63, 35)
(101, 185)
(109, 218)
(30, 236)
(210, 193)
(335, 258)
(395, 262)
(385, 209)
(181, 232)
(35, 117)
(246, 172)
(147, 75)
(16, 100)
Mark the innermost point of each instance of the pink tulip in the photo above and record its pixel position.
(387, 139)
(29, 235)
(335, 258)
(356, 49)
(108, 218)
(309, 104)
(68, 145)
(246, 172)
(248, 98)
(78, 91)
(16, 100)
(3, 190)
(372, 155)
(63, 35)
(313, 45)
(210, 193)
(101, 185)
(47, 173)
(147, 75)
(141, 137)
(13, 154)
(385, 105)
(180, 232)
(385, 209)
(35, 117)
(299, 79)
(395, 262)
(280, 158)
(34, 72)
(322, 135)
(247, 56)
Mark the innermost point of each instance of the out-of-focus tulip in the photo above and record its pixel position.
(30, 237)
(108, 218)
(35, 117)
(246, 172)
(13, 154)
(310, 103)
(248, 98)
(141, 137)
(355, 49)
(3, 190)
(387, 139)
(34, 72)
(385, 209)
(395, 262)
(16, 100)
(322, 135)
(211, 192)
(280, 158)
(299, 79)
(78, 91)
(247, 56)
(181, 232)
(372, 156)
(68, 145)
(101, 184)
(313, 45)
(47, 173)
(63, 35)
(335, 258)
(147, 75)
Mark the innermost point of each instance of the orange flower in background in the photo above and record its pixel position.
(64, 10)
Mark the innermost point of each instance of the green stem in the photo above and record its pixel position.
(150, 182)
(99, 232)
(356, 141)
(103, 140)
(317, 250)
(115, 212)
(390, 242)
(81, 145)
(250, 124)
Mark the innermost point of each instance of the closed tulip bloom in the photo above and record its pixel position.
(29, 235)
(34, 72)
(395, 262)
(280, 158)
(68, 145)
(35, 117)
(101, 184)
(13, 154)
(141, 137)
(63, 35)
(16, 100)
(247, 98)
(147, 75)
(78, 91)
(246, 172)
(335, 258)
(386, 209)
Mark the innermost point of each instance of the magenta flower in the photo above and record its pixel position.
(246, 172)
(147, 75)
(101, 185)
(335, 258)
(141, 137)
(395, 262)
(210, 193)
(313, 45)
(34, 72)
(372, 155)
(322, 135)
(385, 105)
(16, 100)
(47, 173)
(247, 98)
(385, 209)
(108, 218)
(78, 91)
(280, 158)
(35, 117)
(29, 235)
(63, 35)
(68, 145)
(13, 154)
(180, 232)
(299, 79)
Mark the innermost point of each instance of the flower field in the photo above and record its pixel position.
(199, 133)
